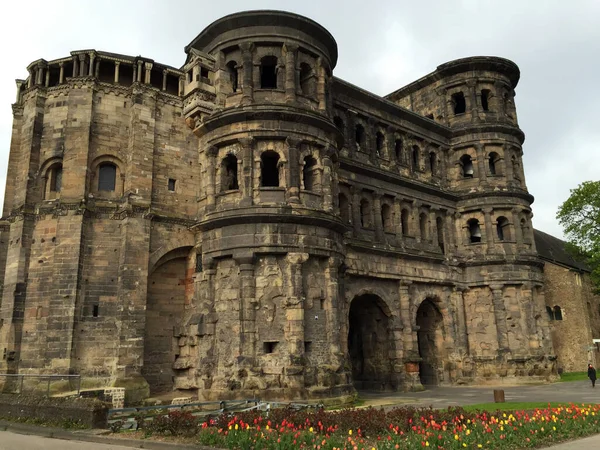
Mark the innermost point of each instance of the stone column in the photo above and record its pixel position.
(327, 183)
(416, 225)
(40, 74)
(321, 85)
(332, 310)
(117, 66)
(211, 159)
(47, 80)
(294, 328)
(164, 80)
(91, 68)
(181, 85)
(134, 79)
(433, 232)
(489, 233)
(61, 74)
(248, 85)
(140, 63)
(472, 103)
(247, 306)
(508, 167)
(290, 72)
(528, 306)
(294, 171)
(461, 320)
(480, 150)
(75, 66)
(82, 65)
(246, 178)
(541, 318)
(517, 227)
(500, 317)
(19, 85)
(147, 72)
(409, 338)
(377, 219)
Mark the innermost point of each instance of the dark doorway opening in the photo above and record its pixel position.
(430, 339)
(369, 343)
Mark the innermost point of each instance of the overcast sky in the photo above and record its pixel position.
(383, 45)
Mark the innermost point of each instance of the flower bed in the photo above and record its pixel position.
(399, 428)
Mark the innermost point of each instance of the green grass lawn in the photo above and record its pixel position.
(511, 406)
(573, 376)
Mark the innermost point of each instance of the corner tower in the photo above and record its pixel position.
(267, 228)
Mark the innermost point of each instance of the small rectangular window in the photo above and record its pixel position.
(307, 346)
(172, 185)
(203, 72)
(269, 347)
(95, 311)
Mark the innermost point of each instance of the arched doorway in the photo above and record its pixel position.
(164, 311)
(430, 338)
(369, 343)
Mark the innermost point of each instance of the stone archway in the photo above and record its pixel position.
(430, 340)
(369, 343)
(165, 306)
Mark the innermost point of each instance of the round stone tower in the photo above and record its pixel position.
(267, 227)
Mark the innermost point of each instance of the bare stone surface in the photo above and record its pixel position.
(249, 225)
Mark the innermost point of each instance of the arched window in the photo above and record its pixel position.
(502, 228)
(339, 123)
(398, 150)
(558, 313)
(439, 225)
(268, 72)
(359, 135)
(379, 143)
(308, 173)
(459, 103)
(107, 177)
(423, 228)
(55, 177)
(433, 163)
(232, 69)
(404, 221)
(269, 169)
(344, 208)
(365, 213)
(415, 158)
(386, 217)
(493, 158)
(467, 166)
(307, 80)
(229, 173)
(550, 312)
(474, 231)
(485, 99)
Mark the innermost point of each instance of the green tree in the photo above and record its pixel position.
(579, 216)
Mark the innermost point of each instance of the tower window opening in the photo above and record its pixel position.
(492, 159)
(56, 178)
(386, 217)
(558, 314)
(171, 184)
(95, 310)
(459, 103)
(415, 158)
(433, 163)
(467, 166)
(398, 150)
(269, 170)
(550, 312)
(359, 135)
(502, 228)
(268, 72)
(307, 80)
(365, 213)
(379, 143)
(232, 69)
(344, 208)
(229, 173)
(474, 231)
(404, 221)
(308, 173)
(107, 177)
(339, 123)
(270, 347)
(485, 99)
(423, 226)
(439, 224)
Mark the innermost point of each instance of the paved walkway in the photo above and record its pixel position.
(442, 397)
(12, 441)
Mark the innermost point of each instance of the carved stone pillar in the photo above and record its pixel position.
(147, 72)
(517, 227)
(500, 317)
(294, 314)
(356, 210)
(164, 80)
(416, 206)
(327, 183)
(293, 173)
(246, 172)
(461, 320)
(377, 219)
(480, 150)
(19, 85)
(139, 71)
(82, 65)
(39, 79)
(290, 72)
(91, 68)
(410, 351)
(489, 233)
(247, 306)
(472, 103)
(433, 231)
(321, 85)
(351, 133)
(181, 85)
(332, 310)
(117, 66)
(75, 66)
(248, 85)
(61, 73)
(47, 80)
(211, 158)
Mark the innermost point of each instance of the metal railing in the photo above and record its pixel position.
(19, 379)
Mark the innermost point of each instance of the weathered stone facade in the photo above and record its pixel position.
(251, 225)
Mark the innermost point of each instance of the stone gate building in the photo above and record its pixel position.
(249, 224)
